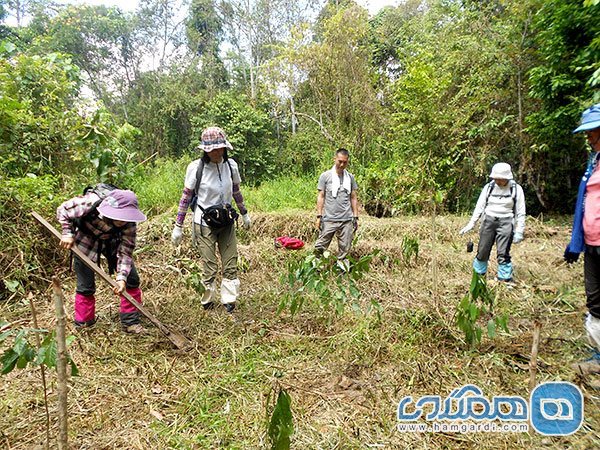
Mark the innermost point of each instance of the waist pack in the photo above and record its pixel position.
(219, 216)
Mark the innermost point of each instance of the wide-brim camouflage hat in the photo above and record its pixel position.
(213, 138)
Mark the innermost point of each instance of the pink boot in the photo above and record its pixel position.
(85, 310)
(130, 316)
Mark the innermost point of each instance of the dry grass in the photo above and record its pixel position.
(345, 375)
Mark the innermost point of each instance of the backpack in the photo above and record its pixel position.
(513, 194)
(101, 190)
(216, 216)
(107, 247)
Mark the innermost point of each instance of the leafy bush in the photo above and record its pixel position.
(282, 193)
(41, 126)
(159, 185)
(304, 153)
(24, 248)
(248, 130)
(110, 149)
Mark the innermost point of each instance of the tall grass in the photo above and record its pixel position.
(159, 188)
(284, 193)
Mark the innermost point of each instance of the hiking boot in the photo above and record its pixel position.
(136, 328)
(82, 325)
(229, 307)
(207, 306)
(589, 366)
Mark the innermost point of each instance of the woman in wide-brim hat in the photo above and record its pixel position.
(214, 181)
(104, 226)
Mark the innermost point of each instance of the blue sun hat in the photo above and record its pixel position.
(590, 119)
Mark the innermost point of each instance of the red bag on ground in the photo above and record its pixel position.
(289, 242)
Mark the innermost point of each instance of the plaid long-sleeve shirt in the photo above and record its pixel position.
(96, 230)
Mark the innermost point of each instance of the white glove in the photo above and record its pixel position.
(518, 237)
(177, 235)
(468, 228)
(247, 221)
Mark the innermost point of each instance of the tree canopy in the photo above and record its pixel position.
(427, 95)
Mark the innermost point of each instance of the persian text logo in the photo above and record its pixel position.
(556, 409)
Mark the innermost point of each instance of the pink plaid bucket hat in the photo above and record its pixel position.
(212, 138)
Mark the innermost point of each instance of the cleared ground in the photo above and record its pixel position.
(345, 374)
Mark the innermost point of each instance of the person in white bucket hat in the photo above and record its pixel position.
(502, 204)
(585, 236)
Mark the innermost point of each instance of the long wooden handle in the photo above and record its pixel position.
(178, 339)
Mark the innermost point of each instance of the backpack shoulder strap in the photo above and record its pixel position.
(230, 171)
(513, 194)
(491, 185)
(199, 173)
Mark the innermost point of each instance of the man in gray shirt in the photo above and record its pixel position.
(337, 208)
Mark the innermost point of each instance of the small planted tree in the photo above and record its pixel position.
(477, 304)
(49, 351)
(323, 277)
(20, 352)
(281, 424)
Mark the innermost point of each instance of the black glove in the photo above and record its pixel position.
(570, 257)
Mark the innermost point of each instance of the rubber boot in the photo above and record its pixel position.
(130, 316)
(85, 310)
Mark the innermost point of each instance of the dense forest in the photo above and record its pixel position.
(426, 95)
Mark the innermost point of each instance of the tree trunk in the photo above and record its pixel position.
(293, 112)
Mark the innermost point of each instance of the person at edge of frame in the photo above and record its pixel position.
(585, 237)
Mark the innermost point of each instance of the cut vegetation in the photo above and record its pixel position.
(344, 373)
